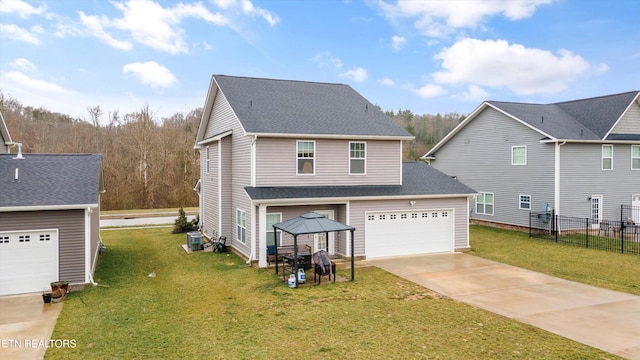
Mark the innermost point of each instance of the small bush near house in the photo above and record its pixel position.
(183, 225)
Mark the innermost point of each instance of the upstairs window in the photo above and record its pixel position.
(635, 157)
(607, 157)
(306, 157)
(484, 204)
(207, 159)
(357, 157)
(518, 155)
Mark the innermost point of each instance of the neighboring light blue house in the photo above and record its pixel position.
(580, 158)
(272, 150)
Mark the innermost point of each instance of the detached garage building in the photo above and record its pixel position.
(49, 219)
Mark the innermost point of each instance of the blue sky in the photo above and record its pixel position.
(426, 56)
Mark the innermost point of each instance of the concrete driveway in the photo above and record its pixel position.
(26, 325)
(604, 319)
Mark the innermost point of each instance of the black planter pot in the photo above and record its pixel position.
(46, 297)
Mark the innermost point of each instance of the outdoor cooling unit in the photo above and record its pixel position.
(194, 240)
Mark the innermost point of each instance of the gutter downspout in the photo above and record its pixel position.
(556, 179)
(252, 255)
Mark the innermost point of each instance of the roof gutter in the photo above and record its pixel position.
(330, 136)
(47, 207)
(573, 141)
(332, 200)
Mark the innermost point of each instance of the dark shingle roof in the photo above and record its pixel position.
(584, 119)
(50, 179)
(299, 107)
(418, 179)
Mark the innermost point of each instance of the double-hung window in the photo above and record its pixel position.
(306, 157)
(518, 155)
(635, 157)
(241, 226)
(607, 157)
(525, 202)
(271, 220)
(484, 203)
(207, 151)
(357, 158)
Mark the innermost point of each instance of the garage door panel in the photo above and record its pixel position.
(408, 233)
(28, 260)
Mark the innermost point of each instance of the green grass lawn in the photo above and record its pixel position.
(210, 305)
(590, 266)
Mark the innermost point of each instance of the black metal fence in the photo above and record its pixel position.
(621, 236)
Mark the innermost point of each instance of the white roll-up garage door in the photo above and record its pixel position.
(28, 261)
(408, 232)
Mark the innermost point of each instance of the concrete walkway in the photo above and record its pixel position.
(604, 319)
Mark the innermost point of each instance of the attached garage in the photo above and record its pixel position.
(409, 232)
(28, 260)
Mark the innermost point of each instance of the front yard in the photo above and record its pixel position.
(210, 305)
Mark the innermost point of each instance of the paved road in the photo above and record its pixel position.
(141, 221)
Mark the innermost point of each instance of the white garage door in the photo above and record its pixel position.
(28, 261)
(408, 232)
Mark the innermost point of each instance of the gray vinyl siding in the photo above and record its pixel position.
(3, 148)
(209, 189)
(582, 176)
(358, 209)
(480, 157)
(236, 174)
(276, 163)
(630, 122)
(71, 232)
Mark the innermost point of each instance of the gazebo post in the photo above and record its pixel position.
(326, 239)
(295, 257)
(275, 246)
(352, 257)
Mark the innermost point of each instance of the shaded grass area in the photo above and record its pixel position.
(590, 266)
(210, 305)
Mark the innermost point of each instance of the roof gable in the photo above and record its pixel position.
(5, 137)
(270, 106)
(50, 179)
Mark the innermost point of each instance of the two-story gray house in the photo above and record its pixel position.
(580, 158)
(272, 150)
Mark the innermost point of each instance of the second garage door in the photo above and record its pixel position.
(408, 232)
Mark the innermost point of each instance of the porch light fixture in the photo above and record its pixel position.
(412, 202)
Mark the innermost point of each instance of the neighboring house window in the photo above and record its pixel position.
(306, 157)
(484, 204)
(607, 157)
(518, 155)
(208, 159)
(635, 157)
(357, 157)
(241, 225)
(525, 202)
(271, 220)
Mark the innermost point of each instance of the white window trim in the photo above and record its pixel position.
(520, 202)
(242, 239)
(207, 159)
(270, 228)
(525, 154)
(315, 155)
(493, 204)
(603, 158)
(632, 158)
(364, 159)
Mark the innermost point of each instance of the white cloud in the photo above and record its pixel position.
(151, 73)
(430, 90)
(398, 42)
(440, 18)
(475, 93)
(96, 27)
(23, 64)
(17, 33)
(247, 8)
(358, 74)
(498, 64)
(20, 80)
(23, 9)
(324, 57)
(388, 82)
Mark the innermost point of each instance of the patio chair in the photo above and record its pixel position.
(220, 245)
(604, 227)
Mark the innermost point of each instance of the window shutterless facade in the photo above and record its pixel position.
(484, 203)
(271, 220)
(357, 158)
(635, 157)
(607, 157)
(518, 155)
(207, 159)
(241, 226)
(306, 157)
(525, 202)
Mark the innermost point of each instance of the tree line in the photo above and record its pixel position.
(149, 162)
